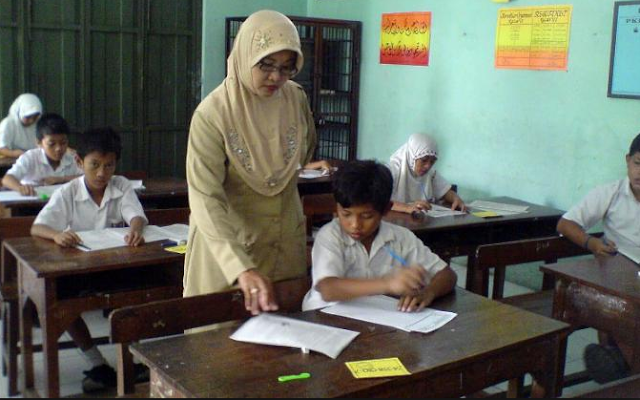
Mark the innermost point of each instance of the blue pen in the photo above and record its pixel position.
(395, 256)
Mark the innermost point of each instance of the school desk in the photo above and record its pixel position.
(628, 388)
(63, 283)
(460, 235)
(601, 293)
(485, 344)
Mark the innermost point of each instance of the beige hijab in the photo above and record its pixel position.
(265, 137)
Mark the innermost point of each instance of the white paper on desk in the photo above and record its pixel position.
(383, 310)
(10, 195)
(312, 173)
(114, 237)
(502, 209)
(632, 253)
(137, 184)
(438, 211)
(275, 330)
(47, 190)
(176, 232)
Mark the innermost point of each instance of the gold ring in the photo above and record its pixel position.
(254, 290)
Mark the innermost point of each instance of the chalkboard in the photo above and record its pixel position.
(624, 71)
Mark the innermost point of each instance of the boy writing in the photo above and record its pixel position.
(49, 164)
(96, 200)
(617, 205)
(358, 254)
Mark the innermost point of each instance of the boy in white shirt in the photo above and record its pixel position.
(96, 200)
(358, 254)
(617, 205)
(49, 164)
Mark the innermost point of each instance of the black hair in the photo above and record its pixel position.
(102, 140)
(363, 182)
(635, 146)
(51, 124)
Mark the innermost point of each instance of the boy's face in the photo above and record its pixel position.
(423, 165)
(633, 170)
(54, 146)
(361, 222)
(98, 169)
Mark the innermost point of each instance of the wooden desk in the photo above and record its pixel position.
(63, 283)
(159, 193)
(472, 352)
(460, 235)
(602, 293)
(320, 185)
(628, 388)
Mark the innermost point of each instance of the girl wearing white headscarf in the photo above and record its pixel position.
(416, 184)
(246, 141)
(18, 129)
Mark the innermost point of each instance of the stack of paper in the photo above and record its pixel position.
(498, 208)
(10, 195)
(114, 237)
(383, 310)
(437, 211)
(275, 330)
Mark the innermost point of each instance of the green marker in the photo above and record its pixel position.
(287, 378)
(44, 197)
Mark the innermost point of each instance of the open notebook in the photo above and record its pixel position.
(114, 237)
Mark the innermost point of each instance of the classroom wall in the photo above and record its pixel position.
(542, 136)
(214, 13)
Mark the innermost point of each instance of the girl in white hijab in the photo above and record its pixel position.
(246, 141)
(416, 184)
(18, 129)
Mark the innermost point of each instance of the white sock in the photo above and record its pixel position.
(94, 357)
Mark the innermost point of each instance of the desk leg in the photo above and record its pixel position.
(50, 336)
(26, 334)
(548, 382)
(12, 331)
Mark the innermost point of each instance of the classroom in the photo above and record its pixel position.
(433, 198)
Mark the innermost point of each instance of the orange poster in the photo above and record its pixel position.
(533, 38)
(404, 38)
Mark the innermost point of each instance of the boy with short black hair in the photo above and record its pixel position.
(358, 254)
(96, 200)
(49, 164)
(617, 206)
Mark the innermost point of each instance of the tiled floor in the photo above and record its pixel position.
(72, 364)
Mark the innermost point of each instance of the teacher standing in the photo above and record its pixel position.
(247, 139)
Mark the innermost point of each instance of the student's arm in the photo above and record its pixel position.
(62, 238)
(135, 236)
(10, 181)
(577, 235)
(56, 180)
(4, 151)
(441, 284)
(416, 206)
(456, 202)
(322, 164)
(401, 282)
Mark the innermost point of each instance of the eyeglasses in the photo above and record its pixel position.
(270, 68)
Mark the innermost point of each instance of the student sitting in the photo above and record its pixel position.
(18, 130)
(617, 206)
(416, 184)
(96, 200)
(357, 254)
(49, 164)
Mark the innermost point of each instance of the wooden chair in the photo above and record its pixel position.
(500, 256)
(170, 317)
(135, 174)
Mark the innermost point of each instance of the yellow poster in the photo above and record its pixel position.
(379, 368)
(533, 37)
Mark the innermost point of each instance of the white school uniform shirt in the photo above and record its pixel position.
(336, 254)
(71, 206)
(33, 166)
(615, 205)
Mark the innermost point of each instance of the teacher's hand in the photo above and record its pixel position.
(258, 292)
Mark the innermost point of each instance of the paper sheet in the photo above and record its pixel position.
(632, 253)
(379, 368)
(500, 209)
(114, 237)
(438, 211)
(382, 310)
(275, 330)
(10, 195)
(313, 173)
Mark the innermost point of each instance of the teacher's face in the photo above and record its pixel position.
(271, 73)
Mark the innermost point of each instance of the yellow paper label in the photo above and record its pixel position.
(377, 368)
(485, 214)
(182, 249)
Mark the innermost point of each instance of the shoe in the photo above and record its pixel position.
(99, 378)
(141, 372)
(605, 363)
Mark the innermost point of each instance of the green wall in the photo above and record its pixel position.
(542, 136)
